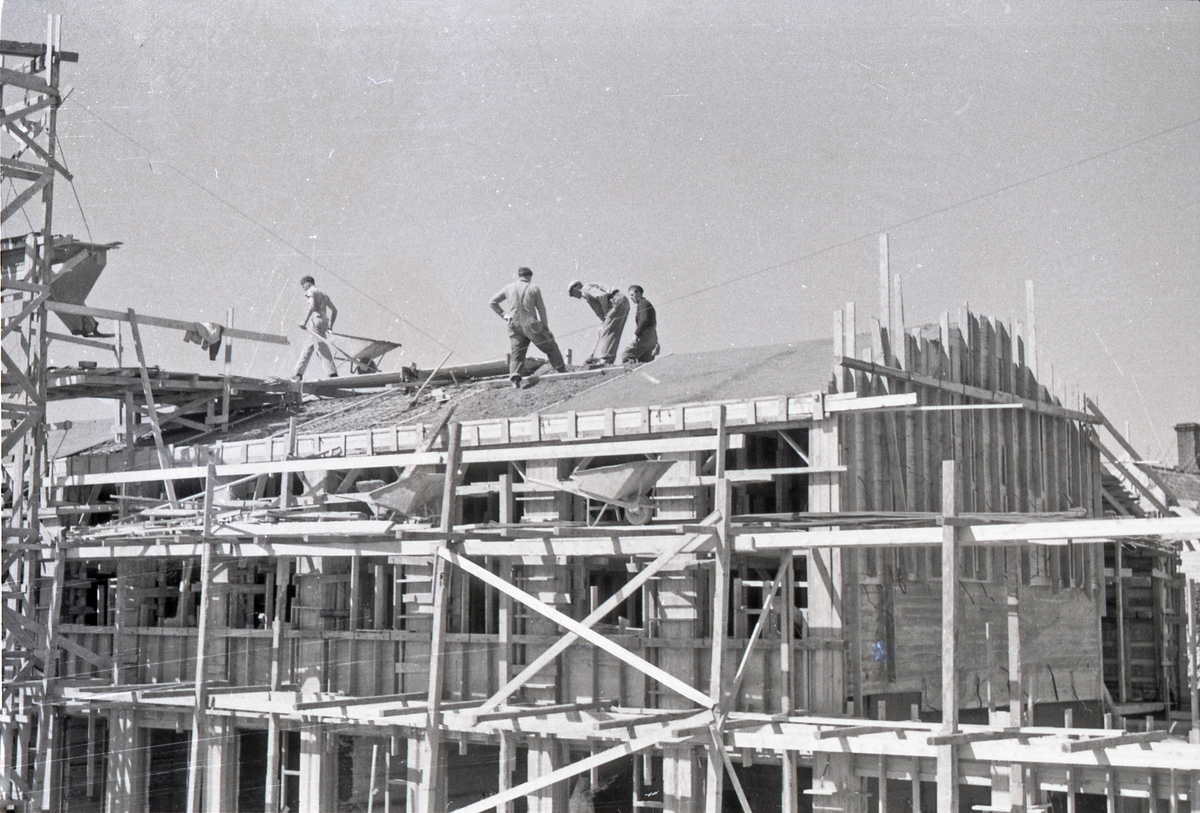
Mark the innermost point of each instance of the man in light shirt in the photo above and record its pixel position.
(525, 313)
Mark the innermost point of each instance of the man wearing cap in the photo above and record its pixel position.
(525, 314)
(645, 330)
(613, 308)
(318, 320)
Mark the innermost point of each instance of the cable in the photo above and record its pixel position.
(74, 191)
(266, 229)
(926, 215)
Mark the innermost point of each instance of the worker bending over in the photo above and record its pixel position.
(645, 330)
(525, 314)
(613, 308)
(318, 320)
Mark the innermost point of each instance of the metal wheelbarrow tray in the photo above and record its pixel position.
(625, 485)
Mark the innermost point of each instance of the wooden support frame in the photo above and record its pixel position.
(568, 623)
(663, 735)
(628, 589)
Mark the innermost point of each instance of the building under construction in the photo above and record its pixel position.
(885, 571)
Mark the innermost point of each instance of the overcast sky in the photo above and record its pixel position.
(738, 160)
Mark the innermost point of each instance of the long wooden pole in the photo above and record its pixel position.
(429, 795)
(283, 570)
(164, 458)
(1193, 659)
(199, 714)
(723, 503)
(947, 762)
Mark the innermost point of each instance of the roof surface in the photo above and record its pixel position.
(724, 375)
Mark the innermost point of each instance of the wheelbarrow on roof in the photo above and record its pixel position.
(624, 485)
(364, 354)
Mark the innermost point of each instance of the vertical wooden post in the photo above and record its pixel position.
(226, 388)
(199, 713)
(947, 763)
(1012, 578)
(429, 795)
(723, 501)
(1193, 640)
(283, 575)
(285, 479)
(130, 450)
(885, 290)
(50, 728)
(1122, 644)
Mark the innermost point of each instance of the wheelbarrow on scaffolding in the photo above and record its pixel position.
(624, 485)
(417, 495)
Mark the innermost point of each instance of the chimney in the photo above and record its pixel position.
(1188, 435)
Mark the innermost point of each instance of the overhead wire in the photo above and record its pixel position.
(917, 218)
(267, 229)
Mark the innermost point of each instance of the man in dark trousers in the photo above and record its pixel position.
(613, 308)
(525, 313)
(645, 330)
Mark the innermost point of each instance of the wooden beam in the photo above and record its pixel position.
(1141, 487)
(840, 732)
(550, 451)
(430, 790)
(1125, 444)
(164, 457)
(156, 321)
(1115, 741)
(200, 709)
(722, 556)
(947, 757)
(535, 710)
(968, 737)
(968, 391)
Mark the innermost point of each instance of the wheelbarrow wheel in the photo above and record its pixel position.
(639, 515)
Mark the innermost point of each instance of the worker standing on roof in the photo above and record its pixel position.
(613, 308)
(645, 330)
(525, 313)
(318, 320)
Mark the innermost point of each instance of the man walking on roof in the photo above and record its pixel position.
(525, 314)
(318, 320)
(613, 308)
(645, 330)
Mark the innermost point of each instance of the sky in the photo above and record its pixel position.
(739, 160)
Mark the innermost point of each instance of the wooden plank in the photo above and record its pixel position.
(1115, 741)
(156, 321)
(164, 457)
(967, 390)
(555, 451)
